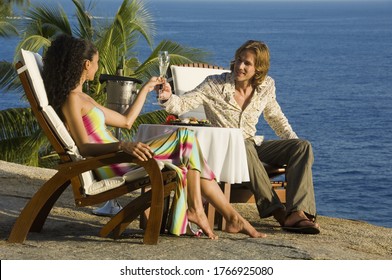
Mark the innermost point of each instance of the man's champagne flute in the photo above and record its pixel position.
(164, 61)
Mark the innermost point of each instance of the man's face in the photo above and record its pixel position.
(244, 66)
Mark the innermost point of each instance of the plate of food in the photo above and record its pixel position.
(173, 120)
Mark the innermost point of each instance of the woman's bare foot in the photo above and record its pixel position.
(238, 224)
(199, 218)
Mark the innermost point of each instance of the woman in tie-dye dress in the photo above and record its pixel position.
(70, 62)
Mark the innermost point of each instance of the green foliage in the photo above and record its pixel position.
(8, 77)
(21, 139)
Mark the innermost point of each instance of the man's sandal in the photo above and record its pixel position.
(296, 228)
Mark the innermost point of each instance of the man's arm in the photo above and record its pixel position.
(179, 105)
(277, 120)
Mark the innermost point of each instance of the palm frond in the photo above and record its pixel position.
(7, 29)
(18, 127)
(5, 9)
(47, 20)
(131, 66)
(42, 24)
(8, 77)
(84, 19)
(120, 32)
(131, 21)
(121, 36)
(22, 140)
(53, 20)
(17, 2)
(17, 122)
(33, 43)
(37, 151)
(141, 22)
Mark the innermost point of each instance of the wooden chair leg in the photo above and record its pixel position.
(120, 223)
(130, 212)
(34, 214)
(44, 213)
(144, 216)
(139, 206)
(166, 208)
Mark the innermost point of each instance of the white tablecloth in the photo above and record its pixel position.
(223, 148)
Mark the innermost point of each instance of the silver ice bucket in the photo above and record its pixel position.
(121, 91)
(120, 94)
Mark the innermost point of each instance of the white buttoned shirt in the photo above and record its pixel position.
(216, 94)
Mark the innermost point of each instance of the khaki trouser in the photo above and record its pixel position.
(298, 156)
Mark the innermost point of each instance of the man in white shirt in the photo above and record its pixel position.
(237, 100)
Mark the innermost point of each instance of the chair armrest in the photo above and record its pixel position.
(73, 169)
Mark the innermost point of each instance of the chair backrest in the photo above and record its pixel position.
(187, 76)
(50, 122)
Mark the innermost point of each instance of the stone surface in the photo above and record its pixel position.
(72, 233)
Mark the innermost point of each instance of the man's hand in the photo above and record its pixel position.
(164, 92)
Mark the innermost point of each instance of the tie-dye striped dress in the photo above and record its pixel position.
(179, 150)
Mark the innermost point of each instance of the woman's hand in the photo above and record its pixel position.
(154, 82)
(137, 149)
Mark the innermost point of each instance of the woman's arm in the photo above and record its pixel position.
(74, 109)
(126, 121)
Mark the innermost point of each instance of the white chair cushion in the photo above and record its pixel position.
(59, 128)
(33, 62)
(87, 178)
(114, 182)
(105, 185)
(186, 79)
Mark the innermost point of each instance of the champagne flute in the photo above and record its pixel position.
(164, 61)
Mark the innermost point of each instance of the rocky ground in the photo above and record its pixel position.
(72, 233)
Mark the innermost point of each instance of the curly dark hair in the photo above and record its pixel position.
(63, 67)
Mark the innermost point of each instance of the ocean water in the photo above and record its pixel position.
(332, 63)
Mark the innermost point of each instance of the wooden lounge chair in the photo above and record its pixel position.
(186, 77)
(77, 171)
